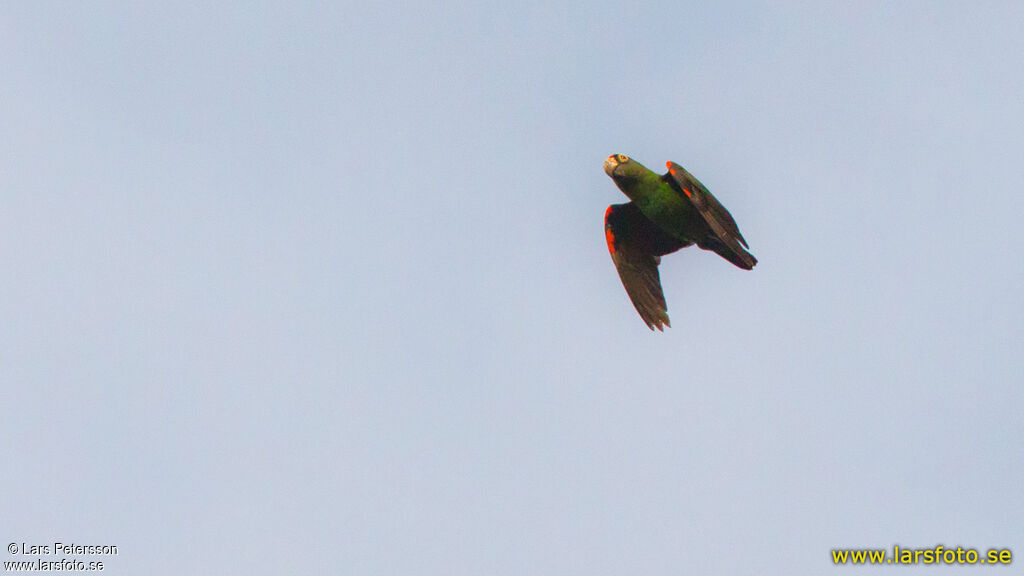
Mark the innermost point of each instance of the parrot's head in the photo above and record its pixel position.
(614, 163)
(622, 169)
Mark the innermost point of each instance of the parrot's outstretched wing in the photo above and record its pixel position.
(636, 245)
(718, 218)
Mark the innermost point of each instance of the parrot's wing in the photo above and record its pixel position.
(717, 217)
(636, 245)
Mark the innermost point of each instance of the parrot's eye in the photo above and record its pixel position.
(622, 158)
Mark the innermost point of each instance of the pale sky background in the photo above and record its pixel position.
(323, 288)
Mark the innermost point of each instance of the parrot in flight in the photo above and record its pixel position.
(665, 213)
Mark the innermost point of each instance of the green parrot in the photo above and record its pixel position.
(667, 212)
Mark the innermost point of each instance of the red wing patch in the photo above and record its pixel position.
(609, 237)
(672, 171)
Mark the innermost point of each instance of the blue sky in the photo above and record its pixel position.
(323, 287)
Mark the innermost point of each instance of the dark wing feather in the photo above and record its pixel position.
(636, 246)
(718, 218)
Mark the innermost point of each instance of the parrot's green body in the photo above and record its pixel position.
(667, 212)
(660, 203)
